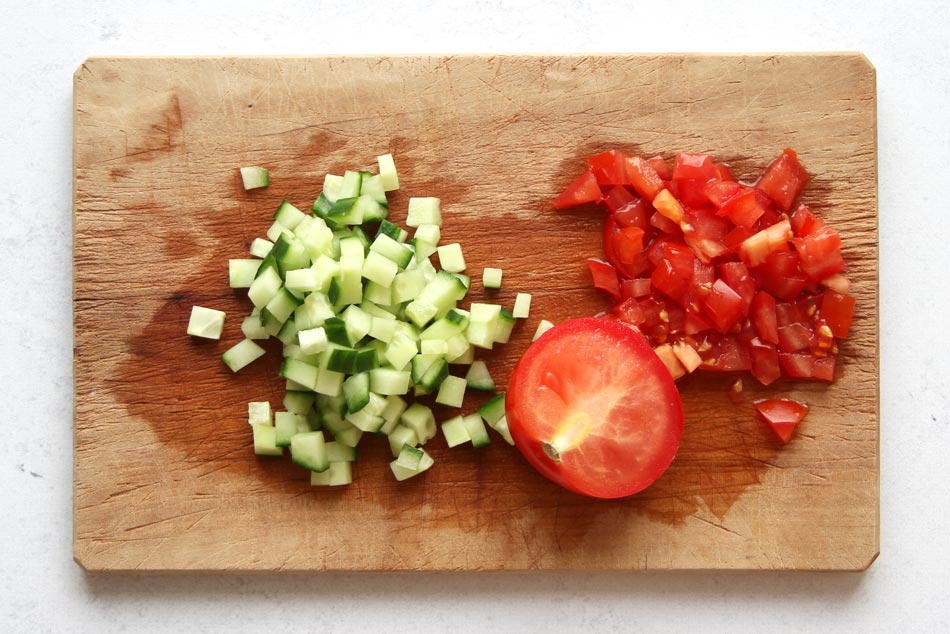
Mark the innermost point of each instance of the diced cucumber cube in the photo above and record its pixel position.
(399, 436)
(434, 346)
(207, 323)
(337, 452)
(522, 305)
(424, 211)
(337, 474)
(382, 329)
(329, 382)
(241, 354)
(389, 381)
(356, 392)
(392, 250)
(493, 409)
(286, 424)
(451, 258)
(391, 413)
(300, 372)
(242, 271)
(260, 247)
(451, 391)
(288, 215)
(455, 431)
(476, 430)
(380, 269)
(259, 413)
(430, 234)
(312, 340)
(387, 172)
(265, 441)
(299, 402)
(478, 377)
(491, 278)
(301, 280)
(502, 428)
(402, 473)
(265, 287)
(421, 420)
(409, 457)
(543, 326)
(254, 176)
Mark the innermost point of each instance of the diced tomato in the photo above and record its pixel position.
(669, 281)
(781, 415)
(824, 369)
(618, 197)
(609, 168)
(623, 247)
(783, 180)
(837, 311)
(664, 224)
(794, 337)
(629, 311)
(744, 208)
(820, 253)
(717, 192)
(699, 167)
(838, 283)
(638, 287)
(584, 189)
(667, 205)
(729, 356)
(734, 239)
(755, 249)
(763, 317)
(605, 277)
(780, 275)
(804, 222)
(723, 173)
(662, 168)
(644, 178)
(796, 365)
(696, 323)
(723, 306)
(822, 340)
(690, 192)
(705, 232)
(736, 275)
(764, 359)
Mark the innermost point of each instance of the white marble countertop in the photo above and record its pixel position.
(42, 590)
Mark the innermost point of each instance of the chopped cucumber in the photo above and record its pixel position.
(241, 354)
(478, 377)
(207, 323)
(543, 326)
(365, 318)
(522, 305)
(491, 278)
(254, 177)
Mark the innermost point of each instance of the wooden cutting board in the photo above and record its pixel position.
(165, 478)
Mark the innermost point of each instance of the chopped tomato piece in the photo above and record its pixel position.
(705, 232)
(699, 167)
(593, 408)
(763, 317)
(671, 282)
(644, 178)
(838, 283)
(755, 249)
(623, 247)
(718, 192)
(637, 287)
(584, 189)
(736, 275)
(662, 168)
(794, 337)
(629, 311)
(664, 224)
(783, 180)
(690, 192)
(764, 359)
(609, 168)
(744, 208)
(723, 173)
(782, 415)
(820, 253)
(723, 306)
(605, 277)
(734, 239)
(667, 205)
(780, 275)
(824, 369)
(796, 365)
(837, 311)
(804, 222)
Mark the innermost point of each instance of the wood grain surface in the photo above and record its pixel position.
(165, 478)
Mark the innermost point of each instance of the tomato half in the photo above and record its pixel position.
(593, 408)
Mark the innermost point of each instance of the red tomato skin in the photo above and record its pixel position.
(633, 347)
(820, 253)
(718, 192)
(584, 189)
(783, 180)
(623, 247)
(723, 306)
(764, 359)
(744, 208)
(662, 168)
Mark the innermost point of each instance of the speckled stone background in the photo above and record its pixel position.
(42, 590)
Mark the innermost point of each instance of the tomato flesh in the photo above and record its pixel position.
(592, 408)
(584, 189)
(781, 415)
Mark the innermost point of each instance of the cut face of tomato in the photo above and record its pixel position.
(783, 179)
(609, 168)
(593, 408)
(782, 415)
